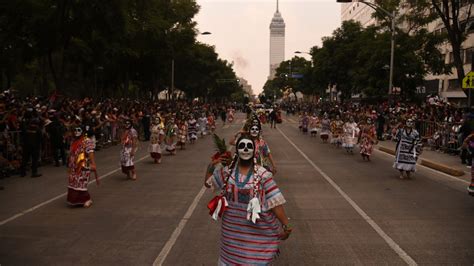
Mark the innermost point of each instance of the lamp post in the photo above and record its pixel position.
(392, 17)
(299, 52)
(171, 90)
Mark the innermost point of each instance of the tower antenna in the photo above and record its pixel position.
(277, 5)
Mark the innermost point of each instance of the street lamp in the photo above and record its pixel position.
(299, 52)
(392, 20)
(170, 93)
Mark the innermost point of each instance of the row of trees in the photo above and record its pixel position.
(356, 59)
(107, 48)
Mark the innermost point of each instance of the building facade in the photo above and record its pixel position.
(358, 12)
(246, 87)
(277, 42)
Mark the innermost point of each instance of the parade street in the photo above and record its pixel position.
(344, 210)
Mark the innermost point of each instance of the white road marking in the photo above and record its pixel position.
(427, 168)
(174, 236)
(401, 253)
(59, 196)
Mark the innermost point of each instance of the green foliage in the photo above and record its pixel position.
(356, 59)
(116, 47)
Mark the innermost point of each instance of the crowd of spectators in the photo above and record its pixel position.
(37, 130)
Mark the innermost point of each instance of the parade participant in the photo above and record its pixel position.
(351, 131)
(273, 117)
(182, 134)
(202, 122)
(211, 122)
(230, 116)
(192, 129)
(337, 131)
(305, 123)
(129, 148)
(406, 152)
(171, 133)
(468, 144)
(313, 125)
(252, 211)
(325, 128)
(81, 164)
(156, 139)
(367, 139)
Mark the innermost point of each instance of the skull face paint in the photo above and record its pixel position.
(77, 132)
(409, 123)
(254, 131)
(128, 124)
(245, 149)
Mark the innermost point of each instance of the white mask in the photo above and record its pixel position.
(245, 149)
(78, 132)
(254, 131)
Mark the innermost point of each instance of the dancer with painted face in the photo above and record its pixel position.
(252, 211)
(192, 129)
(351, 132)
(314, 125)
(337, 131)
(325, 128)
(263, 154)
(367, 140)
(129, 142)
(81, 164)
(407, 149)
(156, 139)
(171, 133)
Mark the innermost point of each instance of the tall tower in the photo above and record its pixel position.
(277, 42)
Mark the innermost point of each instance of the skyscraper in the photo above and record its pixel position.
(277, 42)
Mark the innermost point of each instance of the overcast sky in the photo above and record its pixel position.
(240, 30)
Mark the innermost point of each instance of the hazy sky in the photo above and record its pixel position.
(240, 30)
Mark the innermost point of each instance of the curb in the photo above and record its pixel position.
(430, 164)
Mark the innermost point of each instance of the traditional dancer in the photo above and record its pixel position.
(367, 138)
(337, 131)
(156, 139)
(252, 211)
(129, 148)
(171, 132)
(202, 122)
(81, 164)
(211, 122)
(325, 128)
(351, 131)
(406, 152)
(468, 144)
(192, 129)
(313, 125)
(230, 116)
(305, 123)
(263, 154)
(182, 134)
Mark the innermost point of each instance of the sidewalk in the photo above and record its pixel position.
(439, 161)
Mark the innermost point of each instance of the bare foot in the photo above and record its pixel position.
(88, 204)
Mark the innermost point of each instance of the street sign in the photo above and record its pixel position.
(296, 76)
(468, 81)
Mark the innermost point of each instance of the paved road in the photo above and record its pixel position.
(345, 211)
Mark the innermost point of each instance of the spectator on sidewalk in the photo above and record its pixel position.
(31, 144)
(56, 131)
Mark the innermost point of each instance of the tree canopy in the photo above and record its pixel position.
(109, 48)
